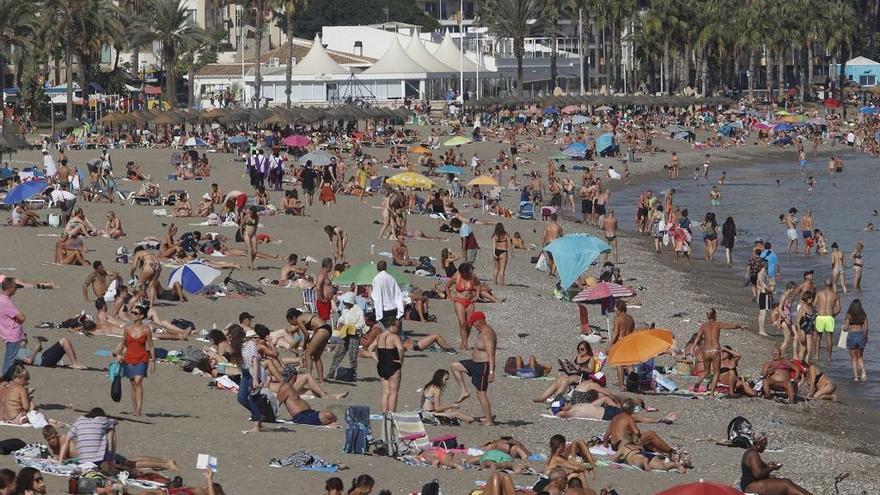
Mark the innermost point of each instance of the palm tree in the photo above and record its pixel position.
(136, 9)
(515, 19)
(168, 23)
(663, 24)
(17, 26)
(192, 46)
(289, 9)
(98, 23)
(259, 9)
(62, 16)
(840, 38)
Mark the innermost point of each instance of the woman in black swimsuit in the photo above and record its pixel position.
(501, 251)
(728, 374)
(314, 345)
(388, 352)
(857, 264)
(447, 261)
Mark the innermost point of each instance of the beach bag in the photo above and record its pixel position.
(116, 388)
(739, 432)
(510, 365)
(358, 433)
(267, 412)
(54, 220)
(841, 342)
(431, 488)
(183, 324)
(541, 265)
(426, 265)
(345, 375)
(10, 445)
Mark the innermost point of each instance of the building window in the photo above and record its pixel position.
(868, 80)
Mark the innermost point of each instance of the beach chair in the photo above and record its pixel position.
(146, 199)
(641, 379)
(376, 184)
(526, 210)
(406, 434)
(310, 298)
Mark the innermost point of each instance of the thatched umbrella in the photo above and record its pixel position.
(166, 118)
(67, 125)
(113, 118)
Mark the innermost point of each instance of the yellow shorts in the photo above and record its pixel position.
(825, 324)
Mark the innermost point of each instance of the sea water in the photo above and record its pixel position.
(842, 205)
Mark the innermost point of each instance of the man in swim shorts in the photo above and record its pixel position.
(302, 413)
(481, 367)
(827, 305)
(790, 220)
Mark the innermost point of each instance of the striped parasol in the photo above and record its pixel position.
(602, 290)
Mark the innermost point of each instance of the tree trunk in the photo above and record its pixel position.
(781, 61)
(768, 63)
(704, 76)
(686, 66)
(737, 67)
(843, 58)
(258, 38)
(752, 73)
(614, 68)
(288, 74)
(136, 60)
(518, 51)
(191, 83)
(667, 69)
(594, 30)
(554, 55)
(810, 70)
(69, 68)
(585, 58)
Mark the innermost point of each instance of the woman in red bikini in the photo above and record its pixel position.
(467, 290)
(136, 351)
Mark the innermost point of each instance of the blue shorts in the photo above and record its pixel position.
(856, 340)
(133, 370)
(307, 417)
(803, 164)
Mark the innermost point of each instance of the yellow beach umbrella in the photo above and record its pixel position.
(421, 150)
(457, 141)
(413, 180)
(483, 180)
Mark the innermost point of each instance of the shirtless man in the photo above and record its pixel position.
(102, 283)
(64, 174)
(480, 368)
(710, 334)
(609, 225)
(827, 304)
(602, 197)
(182, 208)
(300, 410)
(623, 430)
(292, 275)
(674, 166)
(807, 231)
(790, 220)
(552, 232)
(338, 241)
(151, 268)
(624, 324)
(586, 195)
(324, 289)
(400, 253)
(15, 398)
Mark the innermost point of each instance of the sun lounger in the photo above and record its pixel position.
(407, 434)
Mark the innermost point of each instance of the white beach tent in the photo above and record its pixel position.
(318, 62)
(449, 54)
(417, 51)
(396, 75)
(395, 61)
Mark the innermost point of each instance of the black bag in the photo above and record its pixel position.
(10, 445)
(345, 375)
(740, 432)
(267, 413)
(183, 324)
(116, 389)
(238, 236)
(431, 488)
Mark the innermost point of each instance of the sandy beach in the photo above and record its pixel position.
(185, 417)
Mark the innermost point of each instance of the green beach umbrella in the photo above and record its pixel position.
(457, 141)
(364, 274)
(559, 156)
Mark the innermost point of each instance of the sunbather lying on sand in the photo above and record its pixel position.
(51, 356)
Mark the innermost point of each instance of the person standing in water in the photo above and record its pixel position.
(857, 265)
(856, 323)
(609, 224)
(807, 231)
(790, 220)
(728, 239)
(827, 304)
(838, 268)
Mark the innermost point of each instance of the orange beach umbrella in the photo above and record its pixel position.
(640, 346)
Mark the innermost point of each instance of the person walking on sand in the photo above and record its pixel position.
(388, 351)
(827, 308)
(136, 351)
(624, 324)
(609, 225)
(710, 334)
(856, 323)
(480, 368)
(765, 297)
(807, 231)
(838, 268)
(502, 250)
(552, 232)
(11, 319)
(249, 223)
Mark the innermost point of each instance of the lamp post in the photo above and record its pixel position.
(461, 51)
(581, 46)
(239, 11)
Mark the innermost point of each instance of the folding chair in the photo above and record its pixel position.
(526, 210)
(407, 434)
(310, 298)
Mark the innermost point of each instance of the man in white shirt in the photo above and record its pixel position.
(49, 166)
(349, 327)
(387, 297)
(65, 200)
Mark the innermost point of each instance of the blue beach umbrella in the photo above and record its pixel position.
(193, 276)
(604, 142)
(573, 254)
(579, 119)
(551, 110)
(6, 173)
(25, 191)
(575, 150)
(318, 158)
(783, 128)
(871, 110)
(449, 169)
(237, 140)
(197, 142)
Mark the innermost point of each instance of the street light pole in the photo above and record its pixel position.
(461, 50)
(581, 46)
(240, 11)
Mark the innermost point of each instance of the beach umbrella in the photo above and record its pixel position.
(457, 141)
(25, 191)
(318, 158)
(239, 139)
(420, 150)
(782, 112)
(449, 169)
(761, 127)
(831, 103)
(559, 156)
(570, 109)
(296, 140)
(603, 108)
(869, 110)
(575, 150)
(701, 488)
(604, 142)
(551, 111)
(483, 180)
(783, 128)
(364, 275)
(639, 346)
(579, 119)
(411, 179)
(573, 254)
(193, 276)
(197, 142)
(602, 290)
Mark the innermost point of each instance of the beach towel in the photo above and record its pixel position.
(305, 461)
(584, 419)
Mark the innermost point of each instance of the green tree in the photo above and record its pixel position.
(290, 8)
(515, 19)
(168, 23)
(17, 27)
(840, 37)
(320, 13)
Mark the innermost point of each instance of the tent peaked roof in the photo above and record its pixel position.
(395, 61)
(448, 54)
(862, 61)
(317, 62)
(417, 51)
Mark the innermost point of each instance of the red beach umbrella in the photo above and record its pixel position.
(602, 290)
(296, 140)
(831, 103)
(701, 488)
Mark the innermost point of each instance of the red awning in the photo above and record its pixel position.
(152, 90)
